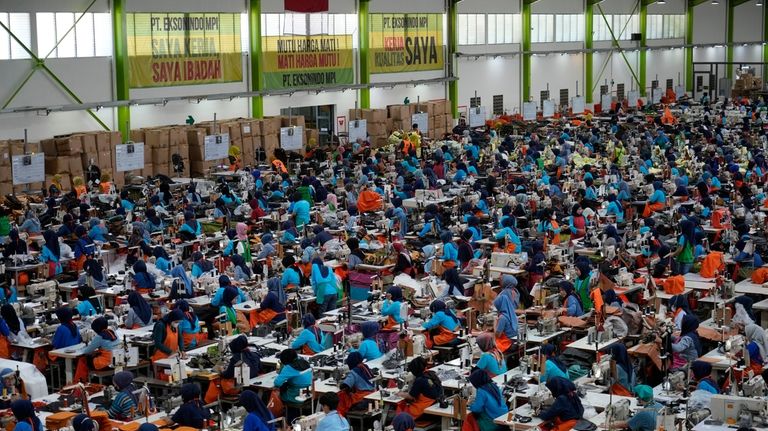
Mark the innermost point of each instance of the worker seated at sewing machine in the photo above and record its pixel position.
(165, 335)
(242, 356)
(491, 360)
(311, 339)
(356, 385)
(258, 417)
(24, 413)
(294, 376)
(487, 403)
(369, 347)
(551, 366)
(646, 418)
(441, 326)
(192, 413)
(566, 409)
(97, 355)
(190, 330)
(391, 308)
(67, 334)
(749, 358)
(271, 309)
(702, 377)
(93, 276)
(125, 403)
(12, 387)
(425, 390)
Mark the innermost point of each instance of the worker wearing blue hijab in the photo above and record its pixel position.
(567, 408)
(26, 420)
(369, 348)
(193, 412)
(311, 339)
(624, 370)
(553, 367)
(259, 417)
(488, 403)
(356, 385)
(506, 324)
(441, 325)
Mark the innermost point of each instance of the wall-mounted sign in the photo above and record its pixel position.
(401, 42)
(307, 61)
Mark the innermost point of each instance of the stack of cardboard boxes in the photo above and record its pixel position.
(70, 156)
(160, 144)
(745, 84)
(400, 117)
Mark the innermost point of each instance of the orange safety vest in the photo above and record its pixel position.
(80, 191)
(407, 146)
(171, 342)
(416, 407)
(279, 166)
(444, 336)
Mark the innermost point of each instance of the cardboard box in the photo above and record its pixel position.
(69, 146)
(196, 139)
(23, 188)
(75, 166)
(379, 142)
(89, 143)
(413, 108)
(441, 107)
(17, 147)
(162, 169)
(6, 188)
(377, 129)
(6, 176)
(399, 112)
(157, 138)
(48, 146)
(56, 165)
(399, 125)
(104, 141)
(234, 130)
(270, 143)
(438, 122)
(177, 136)
(429, 108)
(199, 169)
(355, 114)
(148, 171)
(104, 159)
(295, 120)
(375, 115)
(449, 121)
(439, 133)
(270, 126)
(160, 156)
(246, 130)
(115, 138)
(255, 127)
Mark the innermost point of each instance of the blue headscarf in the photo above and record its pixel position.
(619, 354)
(504, 305)
(688, 329)
(140, 275)
(396, 293)
(140, 306)
(179, 272)
(369, 329)
(483, 382)
(548, 350)
(324, 270)
(253, 405)
(562, 387)
(355, 363)
(274, 286)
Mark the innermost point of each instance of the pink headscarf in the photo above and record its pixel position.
(332, 199)
(242, 231)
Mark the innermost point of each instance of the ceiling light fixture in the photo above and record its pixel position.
(715, 2)
(662, 2)
(759, 3)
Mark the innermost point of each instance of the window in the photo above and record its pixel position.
(503, 28)
(471, 29)
(666, 26)
(305, 24)
(70, 34)
(20, 25)
(569, 28)
(245, 37)
(498, 104)
(542, 28)
(622, 25)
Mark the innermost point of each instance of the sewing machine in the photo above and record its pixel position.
(732, 344)
(754, 387)
(676, 382)
(618, 411)
(624, 278)
(558, 254)
(46, 293)
(171, 403)
(308, 423)
(233, 419)
(541, 400)
(546, 326)
(593, 335)
(731, 410)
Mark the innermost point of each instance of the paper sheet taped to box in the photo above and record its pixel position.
(28, 169)
(129, 157)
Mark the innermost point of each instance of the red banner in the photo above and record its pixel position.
(306, 5)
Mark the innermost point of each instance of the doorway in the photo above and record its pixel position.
(320, 117)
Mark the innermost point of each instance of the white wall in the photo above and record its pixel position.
(666, 64)
(489, 6)
(490, 76)
(709, 23)
(748, 23)
(186, 6)
(557, 70)
(558, 6)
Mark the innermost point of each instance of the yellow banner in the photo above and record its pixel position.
(167, 49)
(307, 61)
(406, 42)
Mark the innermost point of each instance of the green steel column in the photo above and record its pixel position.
(729, 40)
(122, 71)
(453, 66)
(765, 46)
(363, 33)
(642, 54)
(526, 23)
(257, 82)
(588, 38)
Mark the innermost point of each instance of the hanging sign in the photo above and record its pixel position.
(307, 61)
(578, 106)
(422, 120)
(632, 98)
(292, 138)
(358, 129)
(529, 111)
(401, 42)
(548, 110)
(167, 49)
(477, 116)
